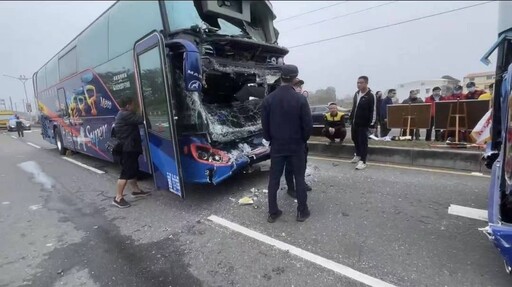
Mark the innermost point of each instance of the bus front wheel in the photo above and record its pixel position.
(60, 143)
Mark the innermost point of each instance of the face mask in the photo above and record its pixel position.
(471, 90)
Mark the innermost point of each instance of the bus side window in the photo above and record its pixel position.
(63, 106)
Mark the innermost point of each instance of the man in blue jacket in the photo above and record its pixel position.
(362, 119)
(287, 124)
(388, 100)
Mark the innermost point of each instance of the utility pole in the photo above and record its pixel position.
(10, 99)
(23, 79)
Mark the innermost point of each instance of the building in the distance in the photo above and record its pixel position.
(482, 80)
(424, 87)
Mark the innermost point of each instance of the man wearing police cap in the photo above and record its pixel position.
(287, 125)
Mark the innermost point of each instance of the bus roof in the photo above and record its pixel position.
(76, 37)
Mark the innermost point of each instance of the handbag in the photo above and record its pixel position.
(114, 146)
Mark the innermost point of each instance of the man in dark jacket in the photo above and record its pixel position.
(435, 97)
(288, 170)
(378, 122)
(473, 92)
(287, 124)
(412, 99)
(19, 127)
(362, 118)
(126, 129)
(388, 100)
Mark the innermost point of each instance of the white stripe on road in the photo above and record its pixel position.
(329, 264)
(13, 137)
(407, 167)
(31, 144)
(83, 165)
(468, 212)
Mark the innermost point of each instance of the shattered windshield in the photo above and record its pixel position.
(183, 15)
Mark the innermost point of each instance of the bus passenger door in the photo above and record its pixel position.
(154, 94)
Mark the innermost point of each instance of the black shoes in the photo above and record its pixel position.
(140, 193)
(303, 215)
(308, 188)
(121, 203)
(273, 217)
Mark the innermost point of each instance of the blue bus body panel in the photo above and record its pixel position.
(164, 163)
(501, 233)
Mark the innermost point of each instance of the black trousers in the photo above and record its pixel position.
(437, 135)
(339, 133)
(19, 129)
(360, 139)
(288, 172)
(384, 130)
(277, 164)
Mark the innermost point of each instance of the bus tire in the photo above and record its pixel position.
(59, 141)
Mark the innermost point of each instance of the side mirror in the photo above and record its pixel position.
(192, 74)
(192, 71)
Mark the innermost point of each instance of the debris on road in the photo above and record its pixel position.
(246, 201)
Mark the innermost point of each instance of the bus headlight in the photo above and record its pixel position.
(207, 154)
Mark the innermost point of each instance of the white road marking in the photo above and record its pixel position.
(31, 144)
(408, 167)
(329, 264)
(83, 165)
(35, 207)
(27, 131)
(5, 202)
(468, 212)
(13, 137)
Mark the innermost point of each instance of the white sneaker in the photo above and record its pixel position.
(356, 159)
(360, 165)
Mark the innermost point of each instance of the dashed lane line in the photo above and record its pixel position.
(34, 145)
(83, 165)
(468, 212)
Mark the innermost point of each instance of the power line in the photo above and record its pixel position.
(308, 12)
(389, 25)
(341, 16)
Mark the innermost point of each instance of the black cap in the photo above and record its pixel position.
(298, 82)
(470, 85)
(436, 89)
(289, 71)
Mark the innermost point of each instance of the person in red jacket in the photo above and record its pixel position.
(435, 97)
(457, 94)
(473, 93)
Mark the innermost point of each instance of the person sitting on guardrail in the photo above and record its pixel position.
(334, 124)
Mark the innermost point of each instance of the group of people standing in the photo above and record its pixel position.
(287, 125)
(450, 94)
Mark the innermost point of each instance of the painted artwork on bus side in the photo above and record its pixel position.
(85, 110)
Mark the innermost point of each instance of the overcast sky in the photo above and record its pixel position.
(32, 32)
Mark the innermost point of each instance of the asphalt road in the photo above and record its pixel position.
(391, 224)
